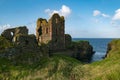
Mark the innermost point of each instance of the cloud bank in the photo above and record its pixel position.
(117, 15)
(99, 13)
(64, 11)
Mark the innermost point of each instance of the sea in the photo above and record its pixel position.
(99, 46)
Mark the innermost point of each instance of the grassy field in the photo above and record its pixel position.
(59, 67)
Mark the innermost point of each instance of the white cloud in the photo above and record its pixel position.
(64, 11)
(96, 12)
(105, 15)
(47, 10)
(117, 15)
(3, 27)
(99, 13)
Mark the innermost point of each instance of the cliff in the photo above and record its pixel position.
(82, 50)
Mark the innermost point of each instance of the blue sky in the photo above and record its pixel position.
(84, 18)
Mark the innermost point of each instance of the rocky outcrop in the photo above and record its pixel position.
(82, 50)
(108, 50)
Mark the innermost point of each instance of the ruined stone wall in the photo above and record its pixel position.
(21, 30)
(11, 33)
(28, 41)
(19, 36)
(42, 31)
(58, 38)
(68, 40)
(8, 34)
(51, 31)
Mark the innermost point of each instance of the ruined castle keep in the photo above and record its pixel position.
(51, 31)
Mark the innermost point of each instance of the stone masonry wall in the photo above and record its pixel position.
(51, 32)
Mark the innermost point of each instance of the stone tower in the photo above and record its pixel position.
(43, 33)
(51, 32)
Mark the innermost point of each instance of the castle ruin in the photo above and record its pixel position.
(52, 32)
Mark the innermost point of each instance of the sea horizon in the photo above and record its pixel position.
(95, 38)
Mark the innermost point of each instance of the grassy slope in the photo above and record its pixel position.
(65, 68)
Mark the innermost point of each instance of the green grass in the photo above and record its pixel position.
(56, 67)
(59, 67)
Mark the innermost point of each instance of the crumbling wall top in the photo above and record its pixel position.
(10, 33)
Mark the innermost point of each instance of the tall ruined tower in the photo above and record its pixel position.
(43, 33)
(51, 31)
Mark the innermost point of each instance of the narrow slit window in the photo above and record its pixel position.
(46, 30)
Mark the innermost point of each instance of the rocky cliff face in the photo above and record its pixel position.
(113, 48)
(81, 50)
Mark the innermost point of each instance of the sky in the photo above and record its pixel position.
(83, 18)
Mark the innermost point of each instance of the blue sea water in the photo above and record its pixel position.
(99, 46)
